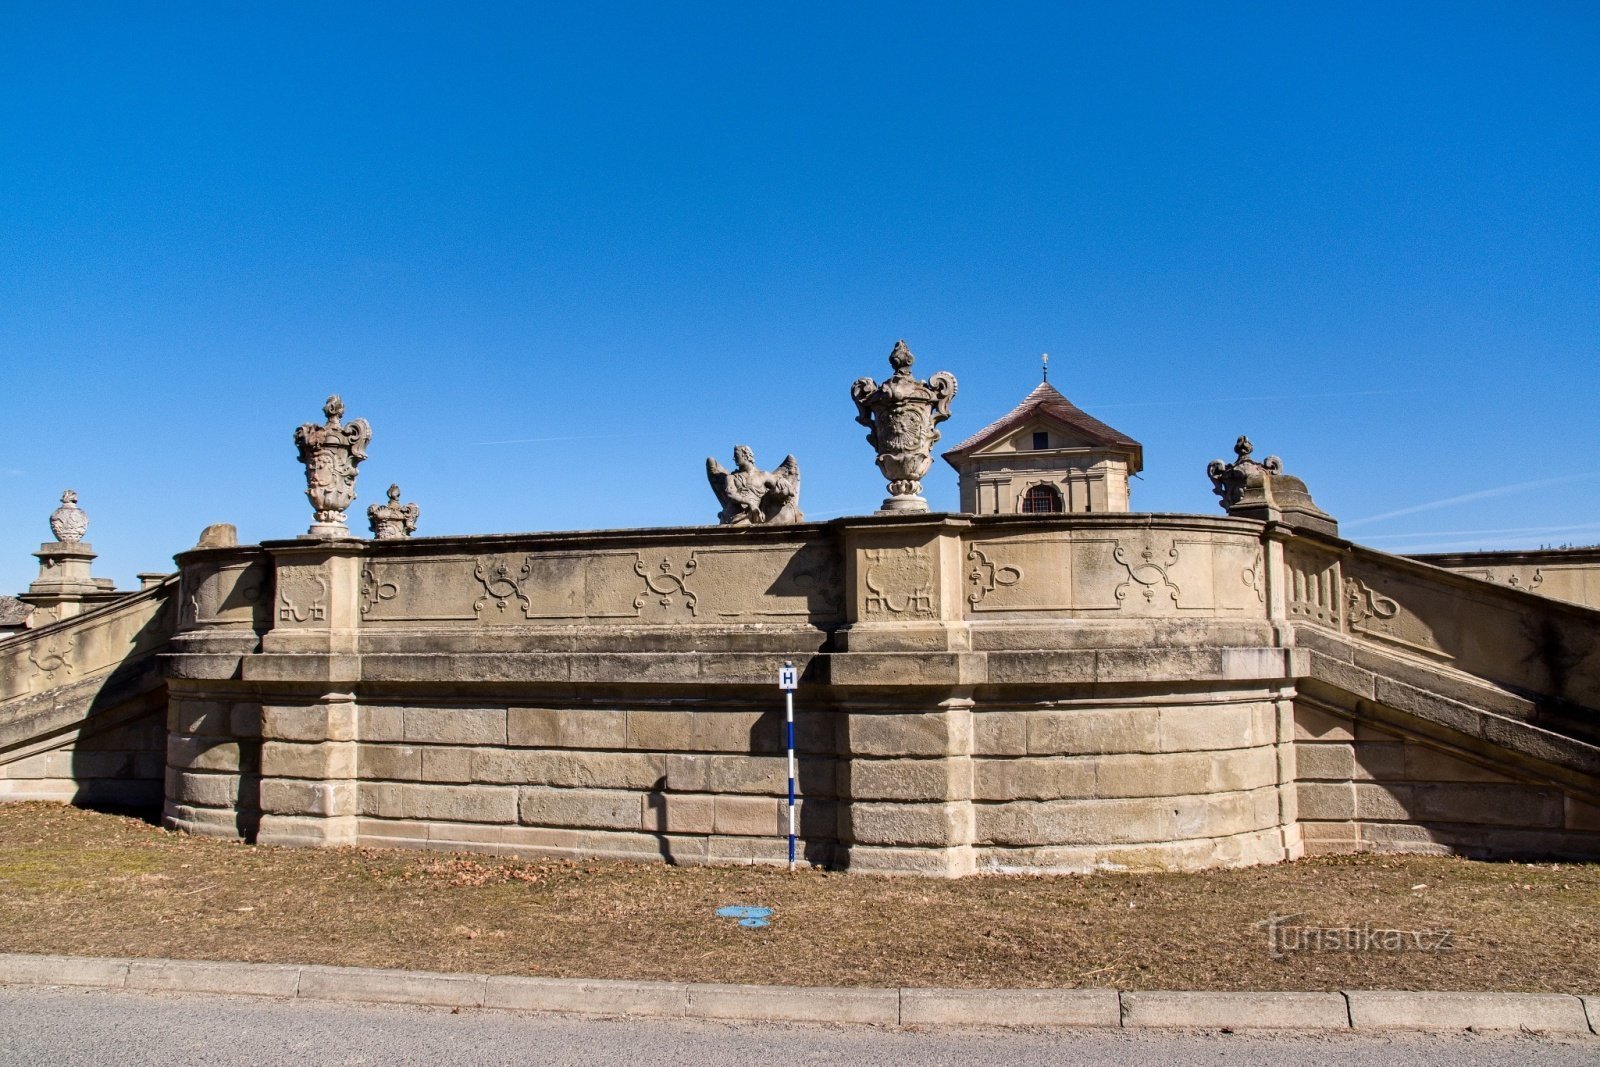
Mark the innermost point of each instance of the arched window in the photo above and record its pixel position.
(1042, 500)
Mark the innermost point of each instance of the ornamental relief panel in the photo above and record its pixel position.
(302, 596)
(1371, 612)
(898, 583)
(667, 584)
(1139, 573)
(1314, 592)
(1031, 575)
(53, 658)
(1527, 579)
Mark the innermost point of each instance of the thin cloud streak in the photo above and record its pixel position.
(1481, 494)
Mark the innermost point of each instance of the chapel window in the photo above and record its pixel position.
(1042, 500)
(1041, 440)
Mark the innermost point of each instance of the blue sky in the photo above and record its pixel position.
(559, 255)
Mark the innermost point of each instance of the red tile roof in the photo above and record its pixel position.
(1045, 400)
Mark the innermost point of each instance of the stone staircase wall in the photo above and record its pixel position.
(83, 705)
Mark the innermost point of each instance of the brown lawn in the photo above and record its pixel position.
(80, 882)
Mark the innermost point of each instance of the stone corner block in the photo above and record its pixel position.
(1544, 1012)
(1236, 1011)
(801, 1004)
(1009, 1007)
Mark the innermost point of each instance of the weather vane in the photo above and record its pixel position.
(1044, 360)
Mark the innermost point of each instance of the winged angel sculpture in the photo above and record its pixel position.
(753, 497)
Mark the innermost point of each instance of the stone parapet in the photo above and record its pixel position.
(976, 693)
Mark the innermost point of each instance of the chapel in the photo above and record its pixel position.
(1046, 456)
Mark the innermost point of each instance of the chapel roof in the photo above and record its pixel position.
(1044, 400)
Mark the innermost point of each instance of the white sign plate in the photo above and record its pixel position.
(787, 677)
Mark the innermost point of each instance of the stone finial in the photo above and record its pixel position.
(393, 521)
(900, 416)
(331, 452)
(69, 522)
(1261, 490)
(219, 535)
(753, 497)
(1228, 480)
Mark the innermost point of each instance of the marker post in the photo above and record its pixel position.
(787, 681)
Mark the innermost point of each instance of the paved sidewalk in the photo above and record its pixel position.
(1362, 1010)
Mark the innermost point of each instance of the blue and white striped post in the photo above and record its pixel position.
(787, 681)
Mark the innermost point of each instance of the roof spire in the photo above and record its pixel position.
(1044, 361)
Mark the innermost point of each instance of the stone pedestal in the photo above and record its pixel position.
(65, 587)
(308, 750)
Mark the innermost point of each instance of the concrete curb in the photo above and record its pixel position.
(1362, 1010)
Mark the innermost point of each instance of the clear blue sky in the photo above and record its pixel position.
(559, 255)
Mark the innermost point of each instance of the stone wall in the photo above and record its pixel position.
(1570, 574)
(977, 693)
(82, 704)
(1365, 788)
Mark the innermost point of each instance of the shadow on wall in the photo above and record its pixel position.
(118, 746)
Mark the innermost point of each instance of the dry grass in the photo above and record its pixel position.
(79, 882)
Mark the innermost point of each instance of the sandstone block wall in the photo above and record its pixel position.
(82, 705)
(977, 693)
(1149, 781)
(1364, 788)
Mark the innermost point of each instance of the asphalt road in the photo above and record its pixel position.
(40, 1026)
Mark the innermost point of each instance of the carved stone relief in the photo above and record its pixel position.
(52, 658)
(374, 590)
(899, 581)
(302, 596)
(1252, 577)
(1526, 579)
(1314, 588)
(985, 577)
(1384, 618)
(665, 587)
(1147, 573)
(502, 586)
(224, 595)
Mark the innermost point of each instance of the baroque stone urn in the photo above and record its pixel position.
(331, 453)
(69, 522)
(900, 416)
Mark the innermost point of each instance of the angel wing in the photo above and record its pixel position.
(717, 475)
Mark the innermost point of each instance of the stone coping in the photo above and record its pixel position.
(1355, 1010)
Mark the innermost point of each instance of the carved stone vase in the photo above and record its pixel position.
(900, 416)
(69, 522)
(331, 453)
